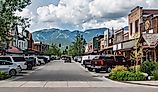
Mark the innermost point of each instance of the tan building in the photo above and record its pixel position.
(144, 24)
(102, 43)
(89, 48)
(137, 19)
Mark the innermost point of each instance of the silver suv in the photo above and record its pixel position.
(19, 60)
(10, 68)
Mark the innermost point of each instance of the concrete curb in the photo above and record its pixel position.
(129, 82)
(139, 83)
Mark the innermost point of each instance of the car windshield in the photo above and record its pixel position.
(120, 58)
(19, 59)
(40, 57)
(96, 57)
(5, 59)
(109, 58)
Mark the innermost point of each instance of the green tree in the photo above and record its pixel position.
(77, 47)
(137, 53)
(8, 19)
(53, 50)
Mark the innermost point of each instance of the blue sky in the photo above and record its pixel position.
(81, 14)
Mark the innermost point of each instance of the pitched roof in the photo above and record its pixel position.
(151, 39)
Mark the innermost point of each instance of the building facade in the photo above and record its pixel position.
(143, 24)
(137, 19)
(40, 47)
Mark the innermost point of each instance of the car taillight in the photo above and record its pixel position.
(95, 63)
(102, 62)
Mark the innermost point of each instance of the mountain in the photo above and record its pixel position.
(64, 37)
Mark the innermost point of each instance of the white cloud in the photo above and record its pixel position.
(113, 8)
(25, 13)
(119, 23)
(84, 14)
(152, 3)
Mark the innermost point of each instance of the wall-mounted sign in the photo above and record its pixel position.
(147, 24)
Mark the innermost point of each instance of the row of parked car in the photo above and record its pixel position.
(12, 65)
(102, 62)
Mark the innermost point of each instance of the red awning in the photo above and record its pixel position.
(14, 50)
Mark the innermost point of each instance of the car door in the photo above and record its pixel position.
(109, 60)
(4, 67)
(20, 61)
(120, 60)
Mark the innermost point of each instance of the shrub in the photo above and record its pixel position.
(156, 66)
(155, 74)
(119, 68)
(133, 68)
(3, 76)
(126, 76)
(147, 67)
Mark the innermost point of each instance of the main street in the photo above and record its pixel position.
(59, 71)
(58, 76)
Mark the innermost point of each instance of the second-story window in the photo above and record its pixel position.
(131, 28)
(136, 26)
(19, 44)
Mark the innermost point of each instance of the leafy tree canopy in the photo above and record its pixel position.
(8, 19)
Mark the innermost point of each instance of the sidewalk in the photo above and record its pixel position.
(145, 83)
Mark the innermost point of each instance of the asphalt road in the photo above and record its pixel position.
(59, 71)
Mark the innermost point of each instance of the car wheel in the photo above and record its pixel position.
(97, 70)
(109, 69)
(90, 69)
(12, 72)
(29, 67)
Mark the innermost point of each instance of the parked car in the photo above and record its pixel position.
(84, 58)
(42, 60)
(30, 62)
(67, 59)
(47, 58)
(63, 57)
(19, 60)
(10, 68)
(107, 62)
(78, 59)
(87, 62)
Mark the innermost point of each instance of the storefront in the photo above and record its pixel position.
(150, 46)
(128, 48)
(117, 49)
(108, 50)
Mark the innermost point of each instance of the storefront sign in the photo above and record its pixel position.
(129, 44)
(114, 47)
